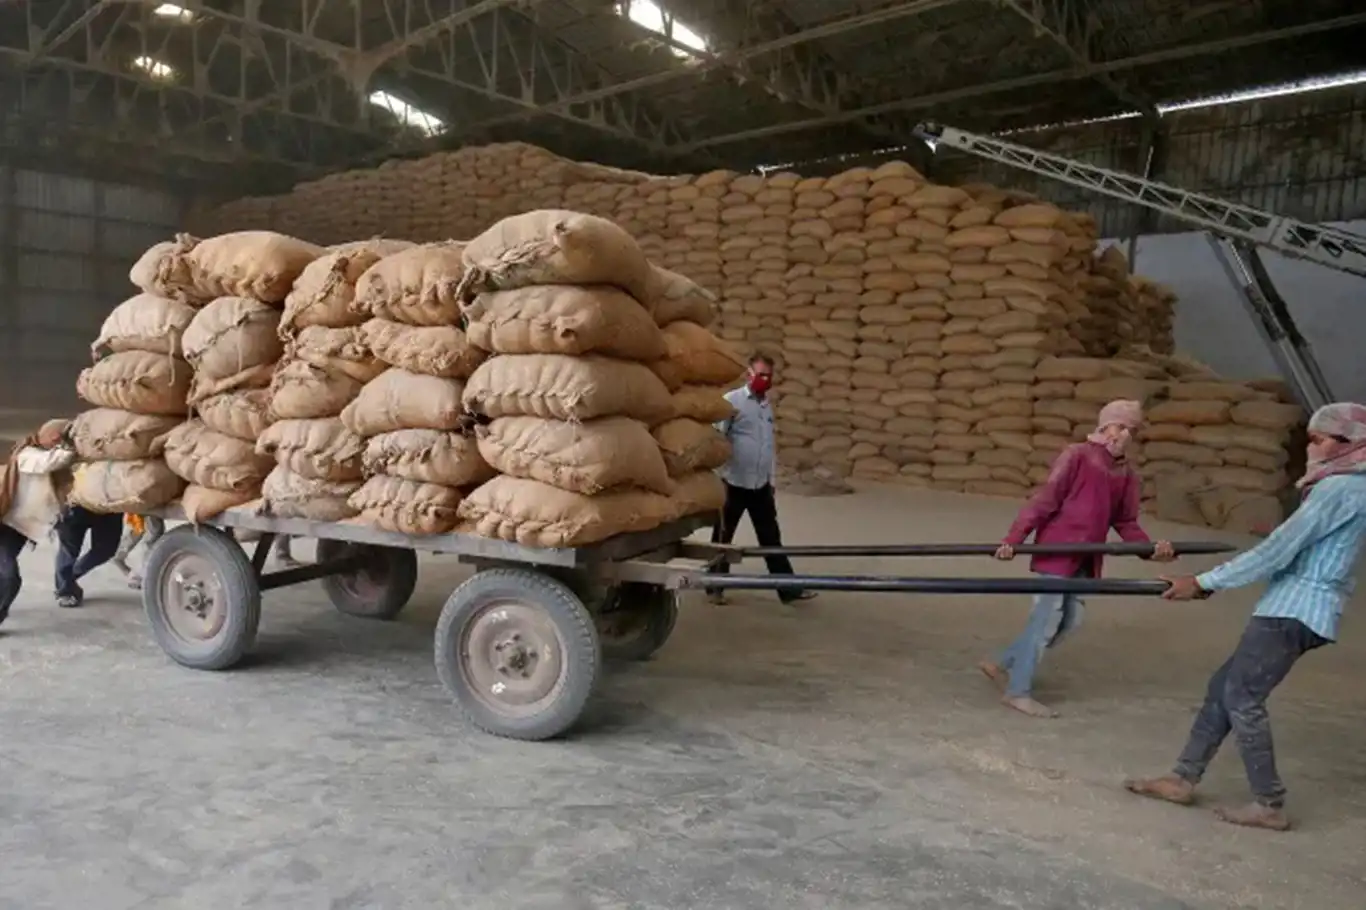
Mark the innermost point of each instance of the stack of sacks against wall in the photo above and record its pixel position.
(419, 453)
(582, 371)
(444, 195)
(1212, 452)
(326, 362)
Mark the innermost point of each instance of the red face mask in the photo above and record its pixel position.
(760, 384)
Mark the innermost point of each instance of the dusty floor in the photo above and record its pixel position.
(847, 756)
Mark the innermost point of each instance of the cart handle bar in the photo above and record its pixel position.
(979, 549)
(889, 584)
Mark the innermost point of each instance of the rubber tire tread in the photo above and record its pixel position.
(402, 582)
(582, 659)
(239, 586)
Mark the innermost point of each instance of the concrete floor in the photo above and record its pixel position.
(848, 756)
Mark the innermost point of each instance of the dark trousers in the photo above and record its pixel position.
(12, 544)
(1236, 702)
(76, 523)
(762, 507)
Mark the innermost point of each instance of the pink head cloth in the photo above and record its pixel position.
(1124, 412)
(1344, 420)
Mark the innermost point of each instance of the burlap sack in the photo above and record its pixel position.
(451, 459)
(163, 270)
(242, 415)
(406, 507)
(301, 391)
(703, 403)
(204, 387)
(335, 350)
(261, 265)
(230, 336)
(589, 457)
(201, 504)
(553, 246)
(124, 486)
(109, 434)
(321, 449)
(697, 357)
(564, 319)
(324, 290)
(678, 298)
(699, 493)
(286, 494)
(1191, 413)
(1268, 415)
(432, 350)
(400, 400)
(689, 445)
(567, 388)
(215, 460)
(145, 322)
(415, 286)
(137, 381)
(536, 514)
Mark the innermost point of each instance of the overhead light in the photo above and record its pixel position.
(172, 11)
(154, 67)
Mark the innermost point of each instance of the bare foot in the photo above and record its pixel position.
(1168, 788)
(994, 672)
(716, 599)
(1255, 815)
(1027, 705)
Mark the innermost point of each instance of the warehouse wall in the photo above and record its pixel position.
(66, 243)
(1212, 324)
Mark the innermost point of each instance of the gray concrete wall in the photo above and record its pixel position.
(1213, 326)
(66, 244)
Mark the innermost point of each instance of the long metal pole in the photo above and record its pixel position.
(888, 584)
(979, 549)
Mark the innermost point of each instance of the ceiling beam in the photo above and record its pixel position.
(804, 84)
(1063, 24)
(1038, 80)
(514, 63)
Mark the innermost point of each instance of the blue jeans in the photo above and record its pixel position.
(78, 523)
(1052, 618)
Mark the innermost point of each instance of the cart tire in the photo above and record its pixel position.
(519, 653)
(201, 598)
(380, 590)
(635, 620)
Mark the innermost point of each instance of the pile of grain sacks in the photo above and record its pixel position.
(419, 454)
(239, 282)
(581, 372)
(138, 385)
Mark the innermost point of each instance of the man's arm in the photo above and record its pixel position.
(33, 460)
(1045, 503)
(1326, 510)
(725, 426)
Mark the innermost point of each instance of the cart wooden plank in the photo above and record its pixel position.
(467, 546)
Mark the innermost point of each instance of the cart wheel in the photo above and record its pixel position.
(379, 590)
(636, 619)
(201, 598)
(518, 651)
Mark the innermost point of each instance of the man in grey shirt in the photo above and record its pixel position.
(749, 474)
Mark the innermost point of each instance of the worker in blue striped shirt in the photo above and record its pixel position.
(1308, 564)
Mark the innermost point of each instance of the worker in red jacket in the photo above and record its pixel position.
(1091, 488)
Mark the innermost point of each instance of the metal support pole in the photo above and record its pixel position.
(885, 584)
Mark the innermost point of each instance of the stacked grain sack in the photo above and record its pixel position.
(232, 345)
(562, 300)
(419, 454)
(326, 363)
(1212, 452)
(138, 384)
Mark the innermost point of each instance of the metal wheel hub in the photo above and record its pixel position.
(512, 657)
(192, 598)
